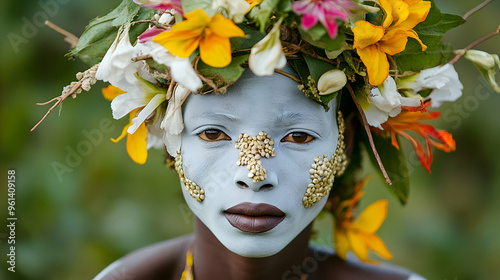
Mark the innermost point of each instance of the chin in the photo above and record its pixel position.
(255, 245)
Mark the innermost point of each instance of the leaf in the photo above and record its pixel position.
(251, 38)
(394, 161)
(431, 32)
(227, 75)
(317, 67)
(323, 42)
(101, 32)
(191, 5)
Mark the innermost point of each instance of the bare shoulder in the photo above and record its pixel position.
(163, 260)
(354, 270)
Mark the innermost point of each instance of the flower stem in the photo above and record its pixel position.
(485, 38)
(70, 38)
(477, 8)
(370, 137)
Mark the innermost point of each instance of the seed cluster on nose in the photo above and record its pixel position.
(324, 170)
(194, 190)
(253, 148)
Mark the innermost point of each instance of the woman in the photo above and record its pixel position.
(260, 153)
(246, 229)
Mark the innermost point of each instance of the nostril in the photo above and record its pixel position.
(242, 184)
(266, 187)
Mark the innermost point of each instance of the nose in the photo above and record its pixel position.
(243, 181)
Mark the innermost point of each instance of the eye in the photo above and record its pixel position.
(212, 135)
(298, 138)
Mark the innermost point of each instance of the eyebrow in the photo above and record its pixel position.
(216, 116)
(289, 118)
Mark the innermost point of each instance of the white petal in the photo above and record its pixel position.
(146, 112)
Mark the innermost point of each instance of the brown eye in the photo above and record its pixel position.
(212, 135)
(298, 138)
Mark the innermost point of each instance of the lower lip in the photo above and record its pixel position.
(253, 224)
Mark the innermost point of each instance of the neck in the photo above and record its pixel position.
(214, 261)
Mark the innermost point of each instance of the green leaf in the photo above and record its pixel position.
(323, 42)
(317, 67)
(101, 32)
(191, 5)
(431, 32)
(227, 75)
(394, 161)
(251, 38)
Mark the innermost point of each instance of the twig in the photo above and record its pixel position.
(288, 75)
(141, 57)
(462, 52)
(59, 100)
(70, 38)
(369, 134)
(477, 8)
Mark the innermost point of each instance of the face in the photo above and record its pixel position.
(255, 216)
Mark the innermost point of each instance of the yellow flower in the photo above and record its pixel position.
(210, 34)
(111, 92)
(373, 43)
(359, 235)
(136, 142)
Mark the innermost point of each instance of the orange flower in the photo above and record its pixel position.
(373, 43)
(409, 120)
(210, 34)
(111, 92)
(359, 235)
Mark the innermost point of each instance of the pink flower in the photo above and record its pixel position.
(161, 4)
(326, 11)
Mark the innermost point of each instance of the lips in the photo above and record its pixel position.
(254, 218)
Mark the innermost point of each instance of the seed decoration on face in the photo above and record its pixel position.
(253, 149)
(324, 170)
(194, 190)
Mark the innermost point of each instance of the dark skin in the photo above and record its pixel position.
(167, 260)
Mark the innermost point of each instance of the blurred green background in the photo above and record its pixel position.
(72, 225)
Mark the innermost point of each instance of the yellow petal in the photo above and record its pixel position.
(225, 27)
(340, 242)
(372, 217)
(358, 245)
(215, 50)
(111, 92)
(366, 34)
(396, 11)
(377, 245)
(180, 48)
(197, 17)
(137, 145)
(376, 63)
(124, 133)
(418, 13)
(394, 42)
(414, 35)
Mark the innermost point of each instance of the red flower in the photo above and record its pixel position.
(409, 120)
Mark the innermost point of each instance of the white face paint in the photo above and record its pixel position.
(254, 104)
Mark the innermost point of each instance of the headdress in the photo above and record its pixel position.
(384, 59)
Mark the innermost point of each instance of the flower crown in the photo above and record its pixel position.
(385, 58)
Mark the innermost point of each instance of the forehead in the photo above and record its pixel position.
(260, 101)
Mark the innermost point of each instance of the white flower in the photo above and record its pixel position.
(145, 94)
(267, 54)
(117, 67)
(236, 8)
(173, 123)
(443, 80)
(385, 101)
(331, 81)
(181, 69)
(155, 136)
(487, 65)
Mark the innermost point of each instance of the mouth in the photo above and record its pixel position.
(254, 218)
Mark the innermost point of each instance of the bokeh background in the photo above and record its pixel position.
(74, 222)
